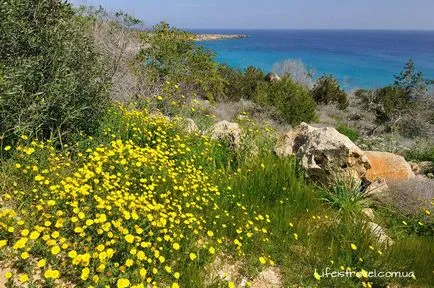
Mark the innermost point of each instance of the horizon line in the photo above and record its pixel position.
(316, 29)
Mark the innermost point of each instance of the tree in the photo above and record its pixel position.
(116, 38)
(327, 91)
(52, 81)
(411, 82)
(173, 55)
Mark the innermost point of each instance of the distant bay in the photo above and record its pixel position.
(358, 58)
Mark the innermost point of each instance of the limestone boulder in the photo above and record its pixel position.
(325, 154)
(227, 131)
(388, 166)
(292, 140)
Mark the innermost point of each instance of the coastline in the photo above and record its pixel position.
(215, 37)
(356, 64)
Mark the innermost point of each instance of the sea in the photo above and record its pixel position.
(357, 58)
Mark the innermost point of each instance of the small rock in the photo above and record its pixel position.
(227, 131)
(377, 187)
(379, 233)
(369, 213)
(272, 77)
(421, 168)
(222, 269)
(190, 126)
(3, 271)
(269, 278)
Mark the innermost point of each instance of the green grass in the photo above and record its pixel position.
(348, 131)
(346, 196)
(325, 229)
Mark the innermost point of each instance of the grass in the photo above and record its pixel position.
(347, 197)
(158, 187)
(351, 133)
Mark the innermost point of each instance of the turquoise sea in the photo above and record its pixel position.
(358, 58)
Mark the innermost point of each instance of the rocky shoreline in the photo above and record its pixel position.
(213, 37)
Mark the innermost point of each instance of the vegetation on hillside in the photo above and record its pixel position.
(103, 212)
(172, 55)
(96, 193)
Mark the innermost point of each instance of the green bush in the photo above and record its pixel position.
(240, 84)
(172, 55)
(293, 102)
(421, 153)
(327, 91)
(390, 102)
(52, 81)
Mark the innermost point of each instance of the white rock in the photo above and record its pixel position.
(190, 126)
(227, 131)
(377, 187)
(369, 213)
(269, 278)
(379, 234)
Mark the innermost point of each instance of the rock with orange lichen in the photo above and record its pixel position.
(388, 166)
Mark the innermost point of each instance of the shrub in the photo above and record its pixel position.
(52, 82)
(328, 91)
(421, 152)
(295, 69)
(292, 101)
(391, 103)
(240, 84)
(172, 55)
(404, 107)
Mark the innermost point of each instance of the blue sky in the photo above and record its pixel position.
(282, 14)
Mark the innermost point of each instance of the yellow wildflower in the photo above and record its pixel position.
(123, 283)
(193, 256)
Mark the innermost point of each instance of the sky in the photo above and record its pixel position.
(279, 14)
